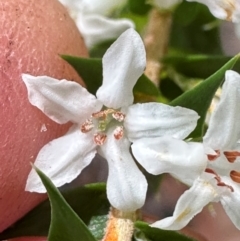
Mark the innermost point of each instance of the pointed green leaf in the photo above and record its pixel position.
(198, 33)
(139, 6)
(196, 66)
(156, 234)
(91, 72)
(89, 69)
(200, 97)
(89, 202)
(65, 223)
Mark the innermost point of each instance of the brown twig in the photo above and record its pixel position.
(156, 42)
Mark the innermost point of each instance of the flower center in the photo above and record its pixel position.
(101, 121)
(231, 156)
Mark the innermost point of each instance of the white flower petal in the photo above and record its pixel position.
(72, 4)
(189, 204)
(62, 159)
(165, 154)
(228, 10)
(126, 185)
(224, 125)
(103, 7)
(96, 28)
(230, 201)
(123, 64)
(61, 100)
(155, 119)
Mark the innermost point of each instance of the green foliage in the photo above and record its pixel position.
(195, 30)
(89, 202)
(89, 69)
(65, 223)
(139, 6)
(144, 89)
(148, 233)
(99, 50)
(197, 66)
(200, 97)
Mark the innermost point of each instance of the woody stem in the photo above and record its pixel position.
(120, 225)
(156, 42)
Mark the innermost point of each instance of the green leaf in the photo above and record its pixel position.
(156, 234)
(99, 50)
(97, 226)
(65, 223)
(89, 202)
(200, 97)
(139, 6)
(195, 30)
(91, 72)
(196, 66)
(89, 69)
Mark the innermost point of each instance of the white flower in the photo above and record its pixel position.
(223, 9)
(165, 4)
(220, 181)
(92, 21)
(105, 125)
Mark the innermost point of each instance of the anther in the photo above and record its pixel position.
(118, 132)
(209, 170)
(99, 114)
(99, 138)
(87, 126)
(231, 155)
(218, 179)
(213, 157)
(222, 184)
(235, 176)
(119, 116)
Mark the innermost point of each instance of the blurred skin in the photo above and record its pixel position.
(32, 34)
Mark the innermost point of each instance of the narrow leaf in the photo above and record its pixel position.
(89, 202)
(89, 69)
(65, 223)
(200, 97)
(155, 234)
(196, 66)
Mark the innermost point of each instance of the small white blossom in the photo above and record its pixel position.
(106, 124)
(223, 9)
(219, 178)
(91, 17)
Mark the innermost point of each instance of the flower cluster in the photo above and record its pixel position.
(219, 173)
(153, 134)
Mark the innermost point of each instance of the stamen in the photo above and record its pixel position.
(99, 138)
(118, 132)
(209, 170)
(231, 155)
(99, 114)
(222, 184)
(218, 179)
(119, 116)
(235, 176)
(87, 126)
(213, 157)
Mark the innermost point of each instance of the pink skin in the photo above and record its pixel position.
(32, 35)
